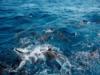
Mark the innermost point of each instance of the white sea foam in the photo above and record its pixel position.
(38, 54)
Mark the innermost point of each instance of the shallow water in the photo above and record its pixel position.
(73, 27)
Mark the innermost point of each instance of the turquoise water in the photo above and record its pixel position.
(73, 27)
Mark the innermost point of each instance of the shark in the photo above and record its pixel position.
(40, 52)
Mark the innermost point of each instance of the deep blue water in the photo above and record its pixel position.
(73, 26)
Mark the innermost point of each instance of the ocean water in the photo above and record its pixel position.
(71, 28)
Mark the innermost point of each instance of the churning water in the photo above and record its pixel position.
(49, 37)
